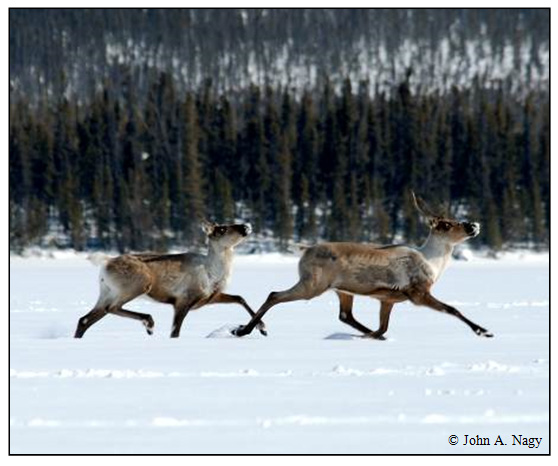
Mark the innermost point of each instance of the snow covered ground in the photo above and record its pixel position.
(309, 387)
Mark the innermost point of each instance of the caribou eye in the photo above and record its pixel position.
(444, 226)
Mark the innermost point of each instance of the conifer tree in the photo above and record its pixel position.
(193, 195)
(272, 154)
(284, 224)
(224, 201)
(67, 189)
(254, 168)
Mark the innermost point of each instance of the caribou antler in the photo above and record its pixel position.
(422, 207)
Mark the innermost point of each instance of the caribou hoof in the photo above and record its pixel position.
(148, 324)
(239, 331)
(481, 332)
(374, 336)
(262, 329)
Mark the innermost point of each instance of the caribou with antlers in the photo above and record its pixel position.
(392, 274)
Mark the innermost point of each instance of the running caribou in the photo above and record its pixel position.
(187, 281)
(392, 274)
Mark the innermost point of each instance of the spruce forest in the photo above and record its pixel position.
(129, 126)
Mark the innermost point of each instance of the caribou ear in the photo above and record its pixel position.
(433, 221)
(207, 227)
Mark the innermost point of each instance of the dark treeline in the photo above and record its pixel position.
(335, 162)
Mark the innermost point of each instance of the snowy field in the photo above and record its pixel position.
(309, 387)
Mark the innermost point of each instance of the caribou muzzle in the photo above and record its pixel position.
(245, 229)
(471, 228)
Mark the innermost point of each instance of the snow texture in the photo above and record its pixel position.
(311, 386)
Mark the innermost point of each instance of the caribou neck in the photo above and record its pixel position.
(437, 252)
(219, 259)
